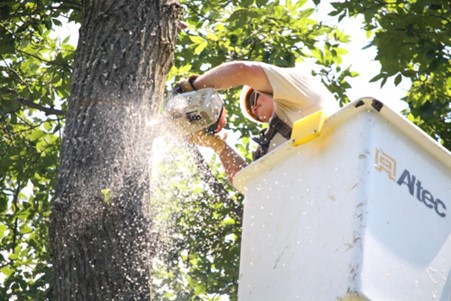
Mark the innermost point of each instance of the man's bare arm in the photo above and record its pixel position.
(231, 161)
(234, 74)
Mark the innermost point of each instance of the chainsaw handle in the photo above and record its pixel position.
(185, 85)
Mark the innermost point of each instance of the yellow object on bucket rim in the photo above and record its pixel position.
(308, 128)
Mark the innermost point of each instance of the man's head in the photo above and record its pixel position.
(256, 106)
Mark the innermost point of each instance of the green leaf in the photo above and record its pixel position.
(197, 39)
(7, 271)
(398, 79)
(57, 22)
(384, 80)
(106, 195)
(228, 221)
(25, 229)
(3, 229)
(200, 47)
(212, 36)
(246, 3)
(36, 134)
(377, 77)
(300, 3)
(48, 125)
(261, 3)
(448, 83)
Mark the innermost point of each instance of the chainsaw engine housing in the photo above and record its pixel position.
(197, 110)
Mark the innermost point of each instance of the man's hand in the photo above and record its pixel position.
(185, 85)
(215, 142)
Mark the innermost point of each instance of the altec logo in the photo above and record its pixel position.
(385, 163)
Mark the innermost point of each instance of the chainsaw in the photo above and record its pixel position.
(197, 110)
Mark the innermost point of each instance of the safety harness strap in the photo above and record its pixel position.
(276, 125)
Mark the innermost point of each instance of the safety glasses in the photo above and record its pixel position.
(252, 100)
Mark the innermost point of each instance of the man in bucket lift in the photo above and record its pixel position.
(270, 94)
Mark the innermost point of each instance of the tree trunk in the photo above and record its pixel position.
(100, 226)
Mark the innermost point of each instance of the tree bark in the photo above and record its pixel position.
(100, 226)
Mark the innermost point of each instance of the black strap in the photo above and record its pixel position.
(276, 125)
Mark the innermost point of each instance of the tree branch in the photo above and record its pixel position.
(75, 5)
(15, 205)
(54, 63)
(46, 110)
